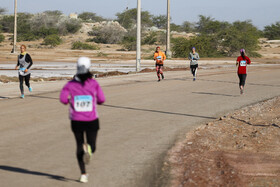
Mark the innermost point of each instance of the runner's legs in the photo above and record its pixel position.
(27, 78)
(21, 84)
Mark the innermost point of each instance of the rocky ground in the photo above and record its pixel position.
(239, 149)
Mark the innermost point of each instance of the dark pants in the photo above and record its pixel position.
(80, 128)
(193, 69)
(242, 79)
(26, 79)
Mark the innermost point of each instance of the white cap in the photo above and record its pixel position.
(83, 65)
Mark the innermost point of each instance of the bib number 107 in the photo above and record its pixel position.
(83, 103)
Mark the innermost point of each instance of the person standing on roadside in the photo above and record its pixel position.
(83, 93)
(242, 62)
(23, 65)
(193, 57)
(159, 57)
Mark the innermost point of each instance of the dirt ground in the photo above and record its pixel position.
(239, 149)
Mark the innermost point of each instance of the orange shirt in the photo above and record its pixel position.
(159, 57)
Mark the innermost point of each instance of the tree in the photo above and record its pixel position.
(128, 18)
(241, 34)
(188, 27)
(7, 23)
(89, 16)
(108, 34)
(225, 42)
(206, 46)
(150, 39)
(2, 10)
(53, 13)
(272, 32)
(174, 27)
(160, 21)
(208, 25)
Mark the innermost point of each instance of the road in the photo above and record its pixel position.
(140, 121)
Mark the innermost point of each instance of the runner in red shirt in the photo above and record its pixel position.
(242, 62)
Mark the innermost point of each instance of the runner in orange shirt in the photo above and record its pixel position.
(159, 57)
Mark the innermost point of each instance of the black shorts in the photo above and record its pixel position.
(194, 66)
(159, 65)
(85, 125)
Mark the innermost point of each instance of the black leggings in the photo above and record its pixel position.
(80, 128)
(242, 79)
(193, 69)
(26, 78)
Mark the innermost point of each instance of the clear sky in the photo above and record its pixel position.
(261, 12)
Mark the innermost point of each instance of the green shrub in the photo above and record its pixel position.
(129, 43)
(220, 42)
(90, 16)
(272, 32)
(2, 38)
(206, 46)
(239, 35)
(108, 34)
(44, 32)
(27, 37)
(52, 40)
(150, 39)
(73, 26)
(81, 46)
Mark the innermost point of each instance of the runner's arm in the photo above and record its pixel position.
(100, 95)
(29, 59)
(64, 95)
(17, 64)
(155, 56)
(248, 60)
(197, 57)
(164, 56)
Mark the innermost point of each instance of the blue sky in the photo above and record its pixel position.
(261, 12)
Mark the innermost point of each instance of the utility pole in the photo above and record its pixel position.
(15, 29)
(138, 45)
(168, 52)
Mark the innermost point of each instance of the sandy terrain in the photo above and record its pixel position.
(239, 149)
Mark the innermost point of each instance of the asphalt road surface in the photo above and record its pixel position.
(140, 121)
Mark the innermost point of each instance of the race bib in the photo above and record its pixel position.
(243, 63)
(21, 71)
(159, 57)
(83, 103)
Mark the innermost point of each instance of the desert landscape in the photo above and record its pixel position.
(240, 148)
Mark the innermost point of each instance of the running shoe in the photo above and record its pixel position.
(87, 153)
(84, 178)
(194, 79)
(241, 91)
(30, 89)
(22, 96)
(162, 76)
(158, 80)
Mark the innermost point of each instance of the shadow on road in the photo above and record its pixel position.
(43, 97)
(208, 93)
(158, 111)
(232, 82)
(25, 171)
(2, 97)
